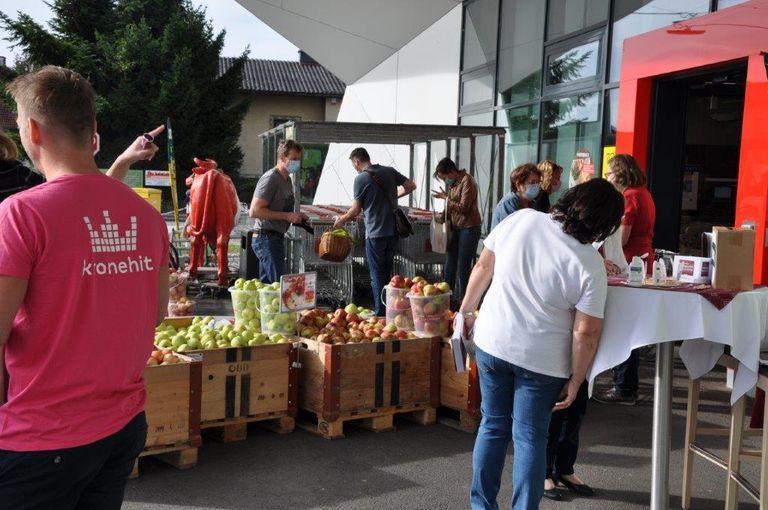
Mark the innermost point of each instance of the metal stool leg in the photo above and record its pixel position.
(691, 426)
(734, 453)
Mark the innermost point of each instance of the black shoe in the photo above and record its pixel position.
(553, 494)
(582, 489)
(615, 397)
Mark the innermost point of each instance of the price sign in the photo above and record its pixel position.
(298, 292)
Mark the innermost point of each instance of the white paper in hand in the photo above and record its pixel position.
(457, 344)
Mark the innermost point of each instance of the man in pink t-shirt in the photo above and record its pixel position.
(83, 282)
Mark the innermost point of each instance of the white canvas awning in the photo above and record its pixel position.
(349, 37)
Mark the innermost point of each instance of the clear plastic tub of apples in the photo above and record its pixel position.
(245, 302)
(398, 307)
(272, 319)
(182, 307)
(431, 307)
(177, 284)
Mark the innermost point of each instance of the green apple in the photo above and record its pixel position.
(252, 343)
(209, 345)
(164, 344)
(247, 314)
(246, 335)
(237, 342)
(261, 338)
(272, 325)
(254, 324)
(250, 285)
(275, 339)
(221, 344)
(239, 283)
(351, 308)
(183, 348)
(443, 287)
(276, 303)
(252, 303)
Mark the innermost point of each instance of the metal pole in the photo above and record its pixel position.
(662, 428)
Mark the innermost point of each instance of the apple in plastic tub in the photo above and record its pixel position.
(184, 307)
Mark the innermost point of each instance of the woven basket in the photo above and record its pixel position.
(334, 248)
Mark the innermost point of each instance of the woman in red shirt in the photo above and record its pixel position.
(637, 239)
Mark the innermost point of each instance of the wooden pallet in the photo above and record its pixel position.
(377, 420)
(173, 413)
(180, 456)
(247, 384)
(459, 392)
(236, 429)
(368, 381)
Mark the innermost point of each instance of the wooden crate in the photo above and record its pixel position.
(459, 392)
(369, 381)
(241, 385)
(173, 413)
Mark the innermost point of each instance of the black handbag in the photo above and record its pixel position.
(403, 225)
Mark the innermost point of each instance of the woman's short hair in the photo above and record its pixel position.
(626, 172)
(445, 166)
(548, 169)
(8, 149)
(521, 174)
(589, 212)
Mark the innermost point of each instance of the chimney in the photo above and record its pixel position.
(306, 59)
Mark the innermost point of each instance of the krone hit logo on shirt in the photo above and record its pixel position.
(108, 239)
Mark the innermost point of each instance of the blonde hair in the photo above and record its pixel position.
(548, 169)
(60, 96)
(8, 149)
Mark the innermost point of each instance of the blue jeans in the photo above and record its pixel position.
(626, 376)
(458, 261)
(516, 404)
(380, 252)
(270, 251)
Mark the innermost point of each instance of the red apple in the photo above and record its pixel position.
(407, 282)
(397, 282)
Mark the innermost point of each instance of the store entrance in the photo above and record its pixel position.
(694, 154)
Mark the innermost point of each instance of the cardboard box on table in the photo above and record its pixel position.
(733, 255)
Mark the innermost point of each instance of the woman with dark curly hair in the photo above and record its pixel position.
(537, 331)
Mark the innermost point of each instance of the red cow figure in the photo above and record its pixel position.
(213, 207)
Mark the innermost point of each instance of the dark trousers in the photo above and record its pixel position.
(626, 375)
(89, 477)
(380, 252)
(270, 250)
(458, 261)
(563, 442)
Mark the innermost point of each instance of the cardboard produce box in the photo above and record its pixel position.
(733, 256)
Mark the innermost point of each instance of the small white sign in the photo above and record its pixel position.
(157, 178)
(297, 291)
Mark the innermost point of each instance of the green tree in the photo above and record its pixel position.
(148, 60)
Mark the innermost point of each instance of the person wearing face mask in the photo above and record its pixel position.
(272, 208)
(636, 237)
(376, 190)
(525, 185)
(460, 197)
(551, 175)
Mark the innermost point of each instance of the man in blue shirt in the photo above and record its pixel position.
(376, 191)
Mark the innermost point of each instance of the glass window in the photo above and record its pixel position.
(480, 27)
(520, 50)
(633, 17)
(477, 89)
(573, 64)
(482, 166)
(724, 4)
(572, 135)
(522, 137)
(610, 117)
(568, 16)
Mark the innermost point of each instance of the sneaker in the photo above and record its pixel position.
(615, 397)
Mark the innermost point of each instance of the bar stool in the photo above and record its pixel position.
(736, 452)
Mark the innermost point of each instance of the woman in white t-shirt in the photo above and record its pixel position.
(537, 330)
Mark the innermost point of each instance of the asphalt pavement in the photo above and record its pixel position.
(430, 467)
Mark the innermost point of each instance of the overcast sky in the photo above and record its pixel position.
(243, 29)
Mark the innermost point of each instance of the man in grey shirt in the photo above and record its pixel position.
(376, 189)
(272, 207)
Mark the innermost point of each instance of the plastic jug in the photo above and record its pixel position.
(636, 272)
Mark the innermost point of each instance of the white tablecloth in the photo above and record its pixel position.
(638, 317)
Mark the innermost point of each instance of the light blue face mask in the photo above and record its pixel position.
(531, 191)
(294, 166)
